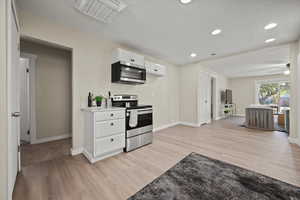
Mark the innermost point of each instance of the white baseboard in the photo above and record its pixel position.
(220, 117)
(175, 124)
(294, 140)
(77, 151)
(50, 139)
(190, 124)
(165, 126)
(239, 115)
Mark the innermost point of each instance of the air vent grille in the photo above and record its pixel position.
(103, 10)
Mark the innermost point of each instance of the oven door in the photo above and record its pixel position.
(122, 73)
(144, 122)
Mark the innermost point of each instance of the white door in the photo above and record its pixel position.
(13, 102)
(204, 98)
(25, 103)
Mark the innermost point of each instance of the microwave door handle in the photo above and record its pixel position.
(132, 80)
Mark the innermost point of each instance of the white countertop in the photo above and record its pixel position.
(99, 109)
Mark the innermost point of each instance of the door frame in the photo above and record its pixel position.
(214, 96)
(214, 100)
(34, 139)
(32, 71)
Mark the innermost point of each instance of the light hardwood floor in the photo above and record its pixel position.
(118, 177)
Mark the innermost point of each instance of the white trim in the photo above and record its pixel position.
(220, 117)
(50, 139)
(92, 159)
(86, 154)
(294, 140)
(190, 124)
(14, 8)
(165, 126)
(77, 151)
(239, 115)
(175, 124)
(32, 68)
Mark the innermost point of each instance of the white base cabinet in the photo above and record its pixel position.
(104, 133)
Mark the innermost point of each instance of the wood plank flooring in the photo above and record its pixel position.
(118, 177)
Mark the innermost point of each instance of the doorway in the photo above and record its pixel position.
(207, 98)
(25, 103)
(46, 100)
(213, 93)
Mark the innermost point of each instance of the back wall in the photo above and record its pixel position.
(243, 90)
(91, 59)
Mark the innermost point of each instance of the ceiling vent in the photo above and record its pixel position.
(103, 10)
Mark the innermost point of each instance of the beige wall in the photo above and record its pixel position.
(53, 89)
(91, 72)
(243, 90)
(189, 81)
(3, 101)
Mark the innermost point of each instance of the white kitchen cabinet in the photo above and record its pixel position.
(155, 69)
(104, 134)
(128, 57)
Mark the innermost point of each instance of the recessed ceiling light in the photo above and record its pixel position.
(216, 32)
(193, 55)
(185, 1)
(270, 26)
(270, 40)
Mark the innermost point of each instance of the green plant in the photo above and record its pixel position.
(226, 110)
(98, 98)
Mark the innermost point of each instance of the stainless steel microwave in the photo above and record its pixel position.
(127, 73)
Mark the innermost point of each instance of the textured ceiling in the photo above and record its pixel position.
(267, 61)
(169, 30)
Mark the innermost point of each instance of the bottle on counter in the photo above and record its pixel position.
(90, 99)
(109, 101)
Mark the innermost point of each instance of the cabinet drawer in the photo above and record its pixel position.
(109, 115)
(109, 144)
(111, 127)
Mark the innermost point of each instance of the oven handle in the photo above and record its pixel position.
(142, 111)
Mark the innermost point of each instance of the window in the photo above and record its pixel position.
(277, 93)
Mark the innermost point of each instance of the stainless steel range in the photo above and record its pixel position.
(139, 121)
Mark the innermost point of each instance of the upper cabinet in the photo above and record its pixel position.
(128, 57)
(155, 69)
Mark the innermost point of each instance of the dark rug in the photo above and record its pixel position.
(199, 177)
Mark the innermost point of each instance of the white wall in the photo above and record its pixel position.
(3, 101)
(91, 72)
(189, 80)
(53, 87)
(294, 90)
(297, 128)
(243, 90)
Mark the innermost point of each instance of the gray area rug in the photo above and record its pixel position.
(199, 177)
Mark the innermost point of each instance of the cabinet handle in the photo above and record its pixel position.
(111, 124)
(132, 60)
(112, 139)
(111, 114)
